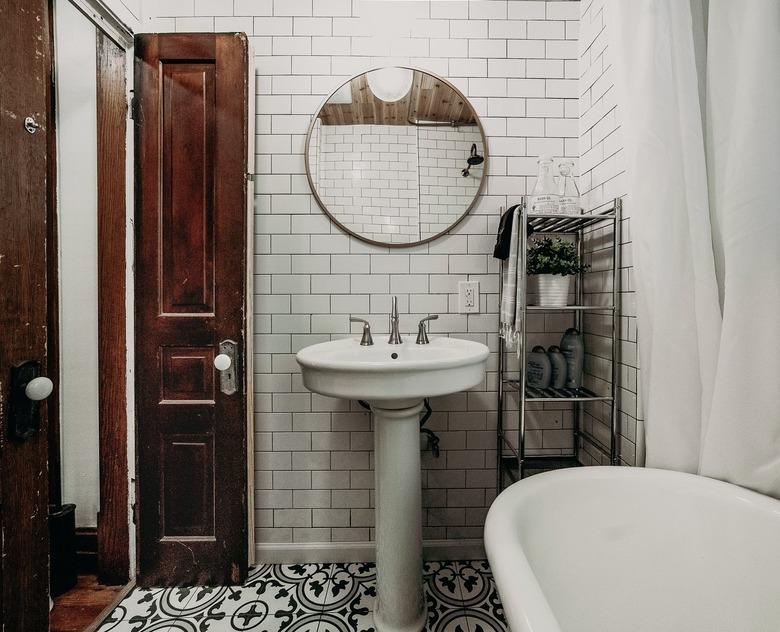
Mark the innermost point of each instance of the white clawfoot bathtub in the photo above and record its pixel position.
(608, 549)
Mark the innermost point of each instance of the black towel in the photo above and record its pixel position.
(504, 237)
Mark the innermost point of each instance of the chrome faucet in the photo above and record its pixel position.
(422, 335)
(366, 340)
(395, 336)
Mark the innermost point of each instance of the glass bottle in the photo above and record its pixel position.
(569, 201)
(544, 197)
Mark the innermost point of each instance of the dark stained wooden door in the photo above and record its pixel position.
(191, 147)
(25, 81)
(112, 525)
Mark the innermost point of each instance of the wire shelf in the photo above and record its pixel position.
(533, 223)
(570, 308)
(557, 394)
(547, 223)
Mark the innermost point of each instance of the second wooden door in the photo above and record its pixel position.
(191, 129)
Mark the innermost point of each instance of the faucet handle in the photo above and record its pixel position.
(422, 335)
(366, 340)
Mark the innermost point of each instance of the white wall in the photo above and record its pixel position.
(517, 62)
(392, 183)
(128, 12)
(444, 192)
(77, 223)
(367, 176)
(601, 180)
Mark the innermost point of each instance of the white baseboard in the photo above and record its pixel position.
(301, 552)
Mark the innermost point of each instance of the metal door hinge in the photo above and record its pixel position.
(133, 109)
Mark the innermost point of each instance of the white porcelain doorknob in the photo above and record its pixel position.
(222, 362)
(39, 388)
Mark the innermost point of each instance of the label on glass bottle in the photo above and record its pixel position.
(569, 205)
(544, 204)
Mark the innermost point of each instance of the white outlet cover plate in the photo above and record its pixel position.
(468, 297)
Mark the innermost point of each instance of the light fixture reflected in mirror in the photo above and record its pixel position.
(390, 84)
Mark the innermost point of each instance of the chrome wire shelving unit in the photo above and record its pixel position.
(513, 462)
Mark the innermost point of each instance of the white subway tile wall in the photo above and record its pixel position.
(368, 178)
(602, 180)
(517, 62)
(445, 193)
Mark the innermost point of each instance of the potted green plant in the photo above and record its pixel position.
(552, 263)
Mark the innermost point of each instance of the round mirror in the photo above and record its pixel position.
(396, 156)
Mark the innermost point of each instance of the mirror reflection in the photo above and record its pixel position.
(396, 156)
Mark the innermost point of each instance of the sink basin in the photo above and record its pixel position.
(342, 368)
(395, 379)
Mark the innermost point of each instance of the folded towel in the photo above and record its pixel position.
(509, 303)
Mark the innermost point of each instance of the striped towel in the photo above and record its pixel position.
(509, 303)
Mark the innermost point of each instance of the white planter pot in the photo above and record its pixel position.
(552, 290)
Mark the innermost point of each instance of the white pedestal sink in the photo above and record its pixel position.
(395, 379)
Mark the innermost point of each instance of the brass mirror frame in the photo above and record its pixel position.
(384, 244)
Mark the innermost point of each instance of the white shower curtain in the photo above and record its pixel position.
(651, 49)
(742, 440)
(711, 388)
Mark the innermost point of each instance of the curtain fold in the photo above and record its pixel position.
(741, 442)
(706, 234)
(651, 48)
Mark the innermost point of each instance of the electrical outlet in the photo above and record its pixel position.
(468, 297)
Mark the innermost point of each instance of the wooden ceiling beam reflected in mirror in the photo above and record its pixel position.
(394, 173)
(429, 99)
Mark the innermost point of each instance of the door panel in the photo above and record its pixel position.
(191, 130)
(188, 462)
(25, 77)
(188, 128)
(187, 375)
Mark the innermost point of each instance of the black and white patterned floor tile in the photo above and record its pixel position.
(480, 597)
(461, 597)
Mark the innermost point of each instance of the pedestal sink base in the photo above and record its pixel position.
(416, 626)
(400, 603)
(395, 378)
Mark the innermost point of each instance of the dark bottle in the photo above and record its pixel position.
(538, 368)
(558, 364)
(573, 350)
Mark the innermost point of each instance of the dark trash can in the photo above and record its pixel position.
(62, 548)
